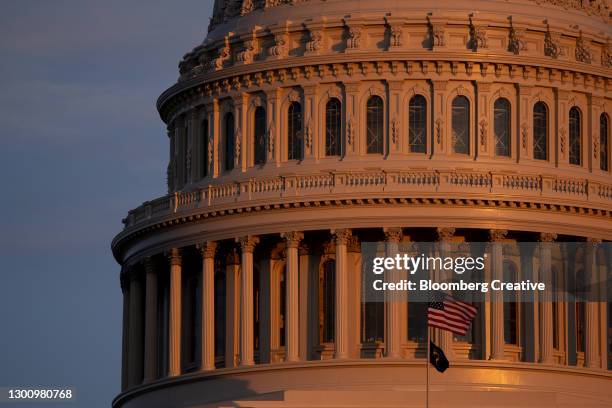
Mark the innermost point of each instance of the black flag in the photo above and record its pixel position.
(437, 357)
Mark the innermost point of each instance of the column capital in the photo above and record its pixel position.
(207, 249)
(497, 235)
(174, 256)
(445, 233)
(341, 236)
(248, 243)
(149, 265)
(547, 237)
(292, 238)
(393, 234)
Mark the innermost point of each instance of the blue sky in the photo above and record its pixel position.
(80, 144)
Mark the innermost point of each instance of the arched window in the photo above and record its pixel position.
(604, 152)
(540, 131)
(375, 125)
(333, 127)
(511, 307)
(327, 305)
(204, 148)
(259, 135)
(461, 125)
(501, 125)
(575, 130)
(230, 142)
(294, 131)
(417, 124)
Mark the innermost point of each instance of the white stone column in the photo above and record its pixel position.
(497, 302)
(392, 299)
(174, 335)
(125, 354)
(342, 307)
(292, 240)
(591, 355)
(247, 246)
(150, 355)
(546, 300)
(136, 331)
(207, 281)
(232, 309)
(445, 236)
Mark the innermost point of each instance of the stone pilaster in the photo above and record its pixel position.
(352, 119)
(497, 302)
(243, 147)
(311, 123)
(392, 299)
(292, 240)
(247, 246)
(397, 115)
(174, 335)
(342, 307)
(546, 301)
(150, 355)
(207, 251)
(591, 354)
(445, 236)
(273, 110)
(214, 122)
(441, 143)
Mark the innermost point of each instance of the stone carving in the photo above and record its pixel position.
(210, 154)
(497, 235)
(350, 131)
(246, 7)
(516, 42)
(552, 46)
(445, 233)
(439, 124)
(524, 133)
(271, 132)
(245, 56)
(583, 51)
(396, 36)
(188, 161)
(354, 37)
(606, 55)
(481, 38)
(308, 136)
(595, 146)
(395, 131)
(279, 49)
(315, 43)
(563, 134)
(224, 54)
(483, 133)
(237, 147)
(438, 35)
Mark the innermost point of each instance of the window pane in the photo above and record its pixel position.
(229, 141)
(260, 136)
(375, 125)
(333, 127)
(417, 120)
(574, 136)
(603, 142)
(501, 112)
(294, 132)
(461, 125)
(540, 131)
(204, 148)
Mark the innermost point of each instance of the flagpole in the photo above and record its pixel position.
(427, 370)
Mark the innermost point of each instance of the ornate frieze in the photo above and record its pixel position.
(583, 52)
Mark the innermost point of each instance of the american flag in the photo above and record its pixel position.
(448, 313)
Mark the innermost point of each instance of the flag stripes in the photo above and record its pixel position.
(447, 313)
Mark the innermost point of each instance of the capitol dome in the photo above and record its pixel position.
(300, 129)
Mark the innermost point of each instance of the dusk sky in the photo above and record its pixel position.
(81, 144)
